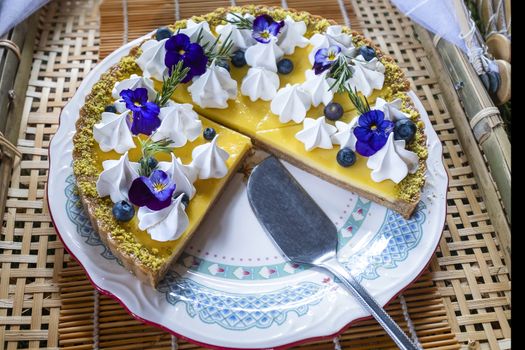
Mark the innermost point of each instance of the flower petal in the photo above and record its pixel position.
(171, 59)
(275, 27)
(386, 126)
(157, 204)
(146, 120)
(262, 23)
(196, 60)
(258, 37)
(362, 133)
(377, 141)
(140, 96)
(128, 98)
(364, 149)
(321, 55)
(139, 193)
(159, 177)
(177, 42)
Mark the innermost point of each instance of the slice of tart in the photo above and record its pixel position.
(139, 250)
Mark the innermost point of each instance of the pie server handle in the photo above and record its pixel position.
(370, 304)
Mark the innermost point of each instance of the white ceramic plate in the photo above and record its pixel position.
(231, 288)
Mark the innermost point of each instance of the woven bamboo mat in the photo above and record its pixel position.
(46, 301)
(123, 21)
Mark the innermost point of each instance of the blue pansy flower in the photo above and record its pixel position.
(325, 58)
(265, 28)
(154, 192)
(178, 48)
(145, 114)
(372, 132)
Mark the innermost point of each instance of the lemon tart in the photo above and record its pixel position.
(163, 130)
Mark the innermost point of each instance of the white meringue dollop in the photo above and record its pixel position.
(260, 83)
(133, 82)
(345, 134)
(151, 61)
(333, 36)
(120, 106)
(166, 224)
(116, 178)
(392, 109)
(214, 88)
(209, 160)
(113, 133)
(393, 161)
(292, 36)
(264, 55)
(367, 76)
(291, 103)
(316, 133)
(178, 175)
(241, 38)
(318, 86)
(179, 123)
(194, 28)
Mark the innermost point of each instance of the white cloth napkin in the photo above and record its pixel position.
(13, 12)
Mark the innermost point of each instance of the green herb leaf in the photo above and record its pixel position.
(223, 52)
(240, 22)
(360, 104)
(148, 149)
(341, 71)
(170, 84)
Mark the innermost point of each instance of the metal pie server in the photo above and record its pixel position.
(306, 235)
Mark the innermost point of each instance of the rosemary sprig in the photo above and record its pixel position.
(214, 50)
(170, 84)
(149, 148)
(223, 52)
(360, 104)
(341, 71)
(240, 22)
(199, 38)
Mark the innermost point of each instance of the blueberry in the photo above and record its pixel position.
(333, 111)
(123, 211)
(110, 108)
(346, 157)
(209, 134)
(404, 129)
(284, 66)
(223, 63)
(238, 59)
(152, 162)
(367, 52)
(185, 200)
(163, 33)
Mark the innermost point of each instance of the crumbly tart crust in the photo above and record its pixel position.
(145, 263)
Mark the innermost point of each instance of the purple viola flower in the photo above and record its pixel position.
(372, 132)
(153, 192)
(264, 28)
(325, 58)
(179, 48)
(145, 114)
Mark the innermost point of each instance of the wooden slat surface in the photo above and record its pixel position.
(45, 299)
